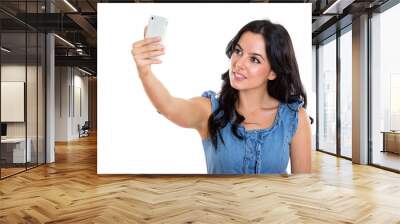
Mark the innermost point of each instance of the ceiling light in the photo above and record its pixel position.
(84, 71)
(5, 49)
(64, 40)
(338, 6)
(70, 5)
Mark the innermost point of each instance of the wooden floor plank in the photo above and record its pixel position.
(70, 191)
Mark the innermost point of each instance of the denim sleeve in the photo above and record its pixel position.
(294, 121)
(212, 96)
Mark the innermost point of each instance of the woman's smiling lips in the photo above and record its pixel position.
(238, 76)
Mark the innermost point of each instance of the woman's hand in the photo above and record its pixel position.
(145, 51)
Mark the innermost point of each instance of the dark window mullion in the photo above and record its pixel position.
(338, 98)
(26, 86)
(0, 99)
(37, 91)
(317, 95)
(45, 87)
(369, 79)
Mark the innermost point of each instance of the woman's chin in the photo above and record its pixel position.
(236, 86)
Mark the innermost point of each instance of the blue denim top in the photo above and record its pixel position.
(262, 151)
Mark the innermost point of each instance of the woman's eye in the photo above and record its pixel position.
(255, 60)
(237, 51)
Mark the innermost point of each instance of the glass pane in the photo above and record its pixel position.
(22, 78)
(13, 87)
(312, 97)
(327, 96)
(386, 89)
(346, 94)
(41, 98)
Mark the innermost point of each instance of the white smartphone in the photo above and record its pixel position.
(157, 26)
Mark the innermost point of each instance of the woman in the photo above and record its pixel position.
(257, 121)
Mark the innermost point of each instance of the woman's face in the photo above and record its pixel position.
(250, 67)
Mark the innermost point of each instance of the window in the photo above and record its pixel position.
(346, 93)
(22, 68)
(327, 96)
(385, 88)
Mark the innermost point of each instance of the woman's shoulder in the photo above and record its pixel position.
(295, 106)
(212, 98)
(293, 115)
(203, 104)
(209, 94)
(291, 111)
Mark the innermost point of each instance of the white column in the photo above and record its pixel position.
(50, 94)
(360, 90)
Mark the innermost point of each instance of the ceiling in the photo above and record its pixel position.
(77, 23)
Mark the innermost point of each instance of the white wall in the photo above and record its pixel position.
(61, 103)
(68, 83)
(81, 83)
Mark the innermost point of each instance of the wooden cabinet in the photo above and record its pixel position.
(391, 141)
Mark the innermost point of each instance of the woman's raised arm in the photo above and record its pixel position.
(188, 113)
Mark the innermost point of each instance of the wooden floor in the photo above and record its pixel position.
(9, 170)
(5, 172)
(387, 159)
(70, 191)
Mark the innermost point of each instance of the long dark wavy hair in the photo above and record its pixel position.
(286, 87)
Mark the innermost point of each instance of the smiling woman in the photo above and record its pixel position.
(257, 122)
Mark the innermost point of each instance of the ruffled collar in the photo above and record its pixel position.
(242, 130)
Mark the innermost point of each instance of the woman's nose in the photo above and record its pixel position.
(239, 63)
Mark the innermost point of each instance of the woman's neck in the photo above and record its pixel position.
(255, 99)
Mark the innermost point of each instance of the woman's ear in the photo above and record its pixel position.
(271, 75)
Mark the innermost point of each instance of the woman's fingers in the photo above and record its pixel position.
(147, 58)
(155, 47)
(149, 54)
(146, 41)
(151, 61)
(145, 51)
(146, 62)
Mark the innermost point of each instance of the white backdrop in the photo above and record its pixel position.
(132, 137)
